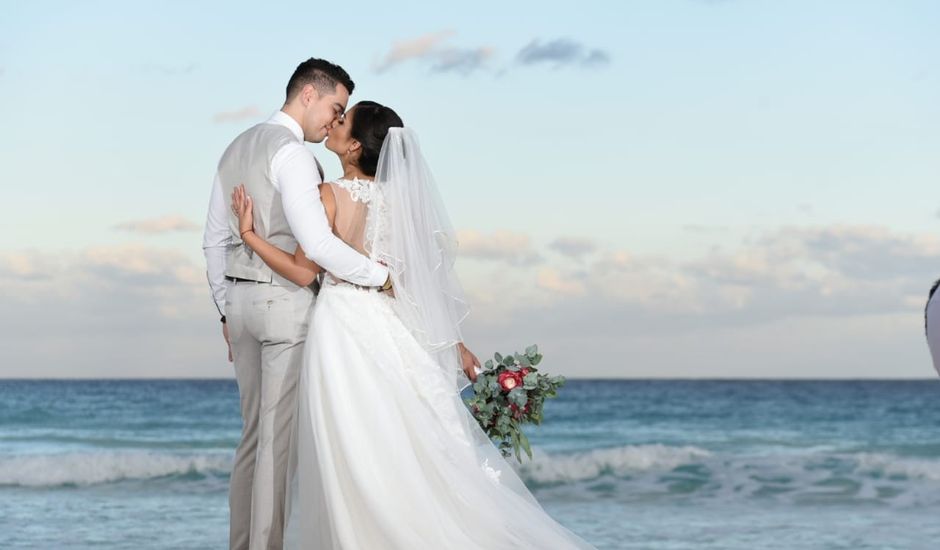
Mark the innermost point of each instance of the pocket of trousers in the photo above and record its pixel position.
(285, 316)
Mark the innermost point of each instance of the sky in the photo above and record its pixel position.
(658, 189)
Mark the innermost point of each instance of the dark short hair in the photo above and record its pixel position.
(323, 75)
(933, 289)
(370, 125)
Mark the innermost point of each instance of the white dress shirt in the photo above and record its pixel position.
(294, 173)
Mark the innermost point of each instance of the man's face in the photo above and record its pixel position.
(322, 111)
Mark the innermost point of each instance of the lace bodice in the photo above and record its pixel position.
(358, 190)
(354, 221)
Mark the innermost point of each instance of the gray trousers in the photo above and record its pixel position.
(267, 327)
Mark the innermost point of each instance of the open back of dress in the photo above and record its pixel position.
(386, 454)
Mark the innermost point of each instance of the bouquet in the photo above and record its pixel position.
(508, 393)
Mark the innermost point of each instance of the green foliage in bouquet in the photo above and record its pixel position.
(511, 392)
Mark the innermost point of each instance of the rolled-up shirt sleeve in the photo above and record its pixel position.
(216, 241)
(295, 175)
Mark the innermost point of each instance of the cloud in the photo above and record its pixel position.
(596, 58)
(245, 113)
(787, 272)
(552, 280)
(824, 270)
(855, 268)
(430, 49)
(573, 247)
(461, 61)
(843, 300)
(415, 48)
(809, 293)
(107, 311)
(80, 278)
(26, 265)
(136, 265)
(165, 224)
(513, 248)
(861, 252)
(561, 52)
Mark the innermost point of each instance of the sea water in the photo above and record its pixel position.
(625, 464)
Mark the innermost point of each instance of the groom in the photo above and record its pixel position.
(264, 316)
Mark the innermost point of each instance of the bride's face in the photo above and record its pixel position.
(339, 139)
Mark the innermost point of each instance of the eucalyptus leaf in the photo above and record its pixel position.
(518, 396)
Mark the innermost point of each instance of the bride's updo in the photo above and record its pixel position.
(370, 125)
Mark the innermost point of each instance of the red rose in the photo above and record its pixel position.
(509, 380)
(524, 371)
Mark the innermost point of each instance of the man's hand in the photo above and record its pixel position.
(469, 362)
(228, 343)
(388, 287)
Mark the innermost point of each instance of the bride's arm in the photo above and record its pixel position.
(293, 267)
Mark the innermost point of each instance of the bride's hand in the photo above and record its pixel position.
(470, 363)
(241, 206)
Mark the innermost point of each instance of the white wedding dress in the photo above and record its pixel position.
(387, 456)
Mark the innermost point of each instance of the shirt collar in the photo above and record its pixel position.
(284, 119)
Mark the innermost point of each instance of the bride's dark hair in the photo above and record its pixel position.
(369, 127)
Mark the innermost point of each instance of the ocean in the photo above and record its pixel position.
(625, 464)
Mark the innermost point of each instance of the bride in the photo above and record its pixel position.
(385, 455)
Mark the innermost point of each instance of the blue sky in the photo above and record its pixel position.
(670, 188)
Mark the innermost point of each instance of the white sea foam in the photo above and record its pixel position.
(640, 472)
(618, 461)
(893, 466)
(635, 471)
(90, 468)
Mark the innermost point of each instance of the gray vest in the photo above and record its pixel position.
(248, 161)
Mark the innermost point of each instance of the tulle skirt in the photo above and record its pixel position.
(386, 455)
